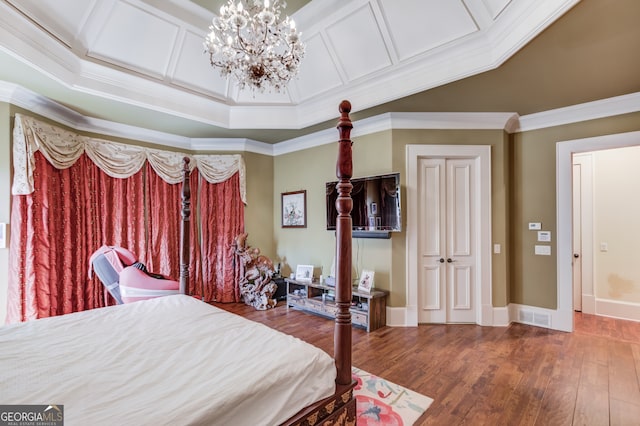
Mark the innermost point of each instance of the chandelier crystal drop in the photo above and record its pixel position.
(254, 45)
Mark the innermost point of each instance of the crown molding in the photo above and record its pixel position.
(231, 145)
(508, 121)
(603, 108)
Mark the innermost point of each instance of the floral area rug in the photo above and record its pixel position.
(380, 402)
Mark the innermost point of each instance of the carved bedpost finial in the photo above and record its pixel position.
(344, 165)
(185, 243)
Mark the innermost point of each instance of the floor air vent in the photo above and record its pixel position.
(542, 319)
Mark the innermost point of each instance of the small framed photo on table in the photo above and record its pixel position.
(294, 209)
(304, 273)
(366, 281)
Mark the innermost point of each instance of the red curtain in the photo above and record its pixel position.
(55, 229)
(74, 211)
(164, 204)
(222, 219)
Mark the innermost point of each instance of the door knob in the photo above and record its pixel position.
(449, 260)
(576, 255)
(441, 260)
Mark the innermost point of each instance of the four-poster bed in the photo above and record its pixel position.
(175, 359)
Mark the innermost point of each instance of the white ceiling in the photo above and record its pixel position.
(144, 58)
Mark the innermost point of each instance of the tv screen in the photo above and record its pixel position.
(376, 203)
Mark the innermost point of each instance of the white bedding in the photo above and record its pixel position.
(171, 360)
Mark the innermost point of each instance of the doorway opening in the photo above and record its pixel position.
(564, 199)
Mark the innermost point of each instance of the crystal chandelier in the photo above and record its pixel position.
(254, 45)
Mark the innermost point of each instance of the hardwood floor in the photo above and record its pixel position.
(516, 375)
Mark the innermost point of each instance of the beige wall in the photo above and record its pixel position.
(533, 199)
(259, 211)
(378, 154)
(5, 201)
(523, 191)
(309, 170)
(499, 142)
(616, 210)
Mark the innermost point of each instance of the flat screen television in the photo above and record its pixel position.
(376, 205)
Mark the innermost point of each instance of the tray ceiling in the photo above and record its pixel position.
(145, 57)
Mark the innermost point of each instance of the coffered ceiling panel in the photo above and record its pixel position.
(419, 25)
(64, 19)
(310, 82)
(359, 52)
(146, 46)
(192, 68)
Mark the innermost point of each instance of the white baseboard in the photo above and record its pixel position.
(531, 315)
(397, 317)
(402, 317)
(615, 309)
(588, 304)
(541, 317)
(501, 317)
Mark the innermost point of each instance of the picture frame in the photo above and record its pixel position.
(372, 222)
(374, 209)
(294, 209)
(304, 273)
(365, 284)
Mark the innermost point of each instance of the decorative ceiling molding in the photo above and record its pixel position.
(507, 121)
(88, 56)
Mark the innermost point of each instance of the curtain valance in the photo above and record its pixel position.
(62, 149)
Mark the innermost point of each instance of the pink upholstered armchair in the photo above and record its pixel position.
(126, 279)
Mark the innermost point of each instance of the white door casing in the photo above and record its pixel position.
(577, 239)
(481, 287)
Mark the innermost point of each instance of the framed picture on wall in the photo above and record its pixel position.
(294, 209)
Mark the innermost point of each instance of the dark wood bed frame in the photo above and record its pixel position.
(340, 408)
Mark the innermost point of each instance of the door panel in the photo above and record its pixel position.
(447, 225)
(431, 294)
(459, 208)
(432, 280)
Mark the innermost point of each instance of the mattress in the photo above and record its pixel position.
(171, 360)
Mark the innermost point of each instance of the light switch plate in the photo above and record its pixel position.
(543, 250)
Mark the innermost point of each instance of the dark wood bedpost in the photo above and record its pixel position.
(185, 234)
(344, 204)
